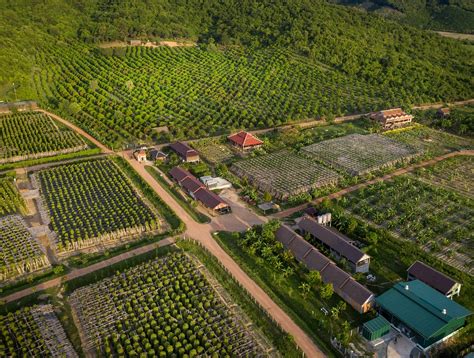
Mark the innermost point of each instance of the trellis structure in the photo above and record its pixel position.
(34, 332)
(31, 135)
(162, 306)
(359, 154)
(20, 253)
(284, 173)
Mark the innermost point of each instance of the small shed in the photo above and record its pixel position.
(375, 328)
(140, 155)
(443, 112)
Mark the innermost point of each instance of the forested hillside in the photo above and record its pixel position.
(48, 51)
(443, 15)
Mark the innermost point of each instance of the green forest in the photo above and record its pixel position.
(355, 61)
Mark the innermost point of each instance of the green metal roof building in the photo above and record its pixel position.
(375, 328)
(421, 312)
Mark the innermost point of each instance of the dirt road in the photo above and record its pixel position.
(87, 270)
(291, 211)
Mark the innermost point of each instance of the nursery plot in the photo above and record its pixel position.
(10, 199)
(213, 151)
(284, 173)
(163, 307)
(92, 203)
(431, 141)
(194, 92)
(29, 135)
(440, 220)
(360, 154)
(34, 332)
(20, 253)
(454, 173)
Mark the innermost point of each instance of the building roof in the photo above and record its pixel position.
(141, 153)
(356, 291)
(155, 153)
(210, 199)
(334, 239)
(191, 184)
(244, 139)
(316, 260)
(183, 149)
(444, 110)
(431, 277)
(393, 112)
(300, 247)
(376, 324)
(285, 235)
(335, 275)
(420, 307)
(179, 174)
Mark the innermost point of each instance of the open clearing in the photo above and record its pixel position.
(30, 135)
(161, 307)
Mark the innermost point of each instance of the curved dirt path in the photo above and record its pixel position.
(78, 130)
(291, 211)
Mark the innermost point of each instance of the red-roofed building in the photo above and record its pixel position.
(245, 140)
(140, 155)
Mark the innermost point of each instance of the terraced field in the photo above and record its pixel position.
(92, 203)
(29, 135)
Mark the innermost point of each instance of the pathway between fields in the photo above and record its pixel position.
(291, 211)
(75, 273)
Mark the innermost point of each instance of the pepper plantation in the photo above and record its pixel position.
(29, 135)
(163, 307)
(92, 203)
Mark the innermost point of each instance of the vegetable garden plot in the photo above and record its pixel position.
(30, 135)
(34, 332)
(10, 199)
(92, 203)
(20, 253)
(430, 141)
(194, 92)
(359, 154)
(164, 307)
(441, 221)
(213, 151)
(454, 173)
(284, 173)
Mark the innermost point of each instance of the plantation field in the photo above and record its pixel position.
(213, 151)
(195, 92)
(430, 141)
(19, 251)
(284, 173)
(31, 135)
(10, 199)
(34, 332)
(440, 220)
(92, 203)
(359, 154)
(163, 307)
(454, 173)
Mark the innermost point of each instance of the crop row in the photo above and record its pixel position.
(10, 199)
(19, 251)
(195, 92)
(34, 332)
(93, 202)
(164, 307)
(30, 135)
(359, 154)
(284, 173)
